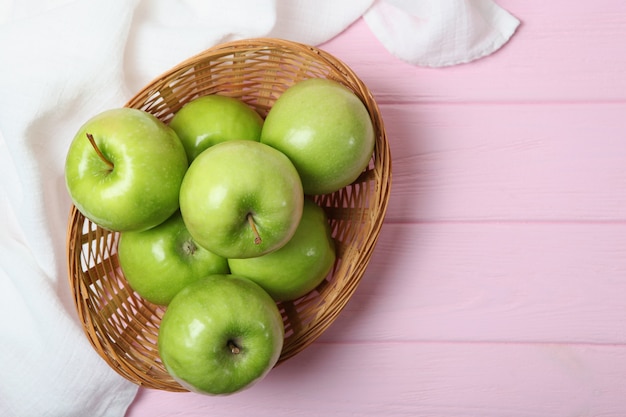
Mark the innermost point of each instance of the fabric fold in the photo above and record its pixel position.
(55, 77)
(440, 33)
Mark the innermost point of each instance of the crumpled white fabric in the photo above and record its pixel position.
(440, 33)
(63, 61)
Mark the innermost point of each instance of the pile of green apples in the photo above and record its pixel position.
(216, 216)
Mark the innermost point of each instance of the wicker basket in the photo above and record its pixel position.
(121, 326)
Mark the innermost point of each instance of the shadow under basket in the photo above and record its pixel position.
(121, 326)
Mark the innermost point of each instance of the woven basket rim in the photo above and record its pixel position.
(252, 44)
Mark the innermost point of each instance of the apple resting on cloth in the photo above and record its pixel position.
(241, 199)
(212, 119)
(326, 131)
(300, 265)
(161, 261)
(124, 168)
(220, 335)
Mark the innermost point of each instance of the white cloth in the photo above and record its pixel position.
(63, 61)
(440, 33)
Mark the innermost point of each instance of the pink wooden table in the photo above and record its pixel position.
(498, 287)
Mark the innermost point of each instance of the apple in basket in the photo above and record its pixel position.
(220, 335)
(241, 199)
(124, 168)
(208, 120)
(300, 265)
(326, 131)
(161, 261)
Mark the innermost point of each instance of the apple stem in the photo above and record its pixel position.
(98, 151)
(234, 349)
(257, 237)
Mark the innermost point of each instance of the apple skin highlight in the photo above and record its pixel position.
(221, 335)
(325, 130)
(136, 185)
(233, 183)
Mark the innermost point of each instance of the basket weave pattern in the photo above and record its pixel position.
(121, 326)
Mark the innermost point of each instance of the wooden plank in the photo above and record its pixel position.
(562, 162)
(498, 282)
(571, 54)
(435, 380)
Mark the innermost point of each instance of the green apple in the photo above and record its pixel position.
(124, 168)
(220, 335)
(241, 199)
(326, 131)
(300, 265)
(161, 261)
(212, 119)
